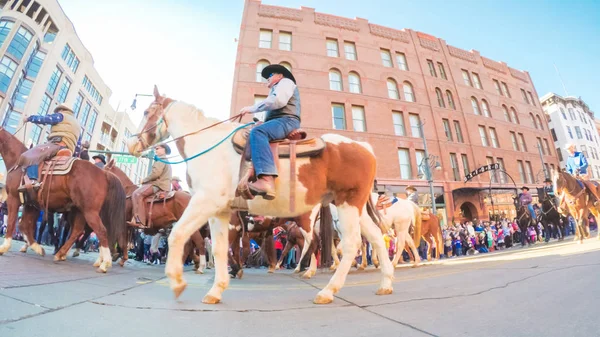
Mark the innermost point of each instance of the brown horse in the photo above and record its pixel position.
(86, 192)
(574, 200)
(164, 213)
(240, 229)
(432, 233)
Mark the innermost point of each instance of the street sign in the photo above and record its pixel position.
(126, 159)
(484, 168)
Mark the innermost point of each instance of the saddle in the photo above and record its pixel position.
(160, 196)
(295, 145)
(58, 166)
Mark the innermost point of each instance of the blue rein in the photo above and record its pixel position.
(205, 151)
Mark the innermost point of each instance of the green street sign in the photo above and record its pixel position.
(126, 159)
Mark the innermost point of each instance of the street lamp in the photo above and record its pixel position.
(133, 104)
(427, 166)
(539, 147)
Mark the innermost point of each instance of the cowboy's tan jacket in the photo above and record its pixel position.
(160, 176)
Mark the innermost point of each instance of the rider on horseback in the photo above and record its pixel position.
(158, 180)
(577, 166)
(64, 132)
(525, 199)
(282, 108)
(412, 194)
(549, 189)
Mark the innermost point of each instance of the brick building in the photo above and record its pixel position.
(377, 84)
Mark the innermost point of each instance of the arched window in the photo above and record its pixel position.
(286, 65)
(260, 65)
(506, 115)
(409, 95)
(533, 122)
(513, 115)
(486, 108)
(392, 89)
(354, 82)
(335, 80)
(440, 98)
(475, 106)
(540, 122)
(450, 100)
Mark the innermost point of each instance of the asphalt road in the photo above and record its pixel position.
(547, 290)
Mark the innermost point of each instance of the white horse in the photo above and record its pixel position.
(344, 171)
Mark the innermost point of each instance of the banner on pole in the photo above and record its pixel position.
(483, 169)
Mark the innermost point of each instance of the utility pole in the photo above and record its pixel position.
(546, 175)
(427, 169)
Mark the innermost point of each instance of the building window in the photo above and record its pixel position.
(529, 172)
(571, 114)
(440, 98)
(77, 105)
(415, 125)
(533, 122)
(447, 130)
(497, 87)
(524, 96)
(85, 113)
(513, 115)
(285, 41)
(465, 163)
(506, 115)
(554, 138)
(405, 167)
(266, 37)
(540, 122)
(354, 82)
(569, 132)
(350, 50)
(431, 68)
(466, 78)
(12, 119)
(22, 93)
(513, 138)
(335, 80)
(5, 28)
(338, 115)
(398, 120)
(35, 63)
(442, 71)
(259, 68)
(409, 96)
(450, 100)
(68, 55)
(486, 109)
(522, 143)
(483, 136)
(7, 71)
(564, 115)
(286, 65)
(521, 171)
(392, 89)
(64, 90)
(401, 60)
(454, 164)
(332, 48)
(489, 161)
(53, 83)
(505, 90)
(539, 144)
(19, 43)
(475, 106)
(531, 98)
(477, 81)
(578, 132)
(547, 147)
(458, 131)
(559, 154)
(358, 118)
(494, 138)
(386, 58)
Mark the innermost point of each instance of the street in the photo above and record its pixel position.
(546, 290)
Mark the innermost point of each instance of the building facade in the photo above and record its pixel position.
(571, 121)
(43, 63)
(378, 84)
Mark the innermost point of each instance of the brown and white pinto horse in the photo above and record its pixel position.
(86, 192)
(344, 171)
(574, 200)
(241, 231)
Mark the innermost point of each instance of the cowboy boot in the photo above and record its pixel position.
(264, 186)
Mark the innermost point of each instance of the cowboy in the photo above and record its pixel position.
(525, 199)
(81, 150)
(577, 165)
(158, 180)
(64, 132)
(99, 160)
(412, 194)
(282, 108)
(175, 184)
(549, 189)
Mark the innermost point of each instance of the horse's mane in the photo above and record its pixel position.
(120, 174)
(193, 111)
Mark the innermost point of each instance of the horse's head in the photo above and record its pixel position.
(560, 180)
(153, 127)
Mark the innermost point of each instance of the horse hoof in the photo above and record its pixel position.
(115, 258)
(23, 249)
(308, 274)
(209, 299)
(296, 271)
(198, 271)
(122, 263)
(101, 270)
(416, 265)
(75, 254)
(332, 268)
(376, 265)
(178, 289)
(271, 270)
(240, 274)
(384, 291)
(323, 299)
(360, 268)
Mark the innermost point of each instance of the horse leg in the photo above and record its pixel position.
(363, 252)
(286, 250)
(415, 251)
(13, 211)
(28, 228)
(93, 219)
(235, 257)
(199, 244)
(40, 231)
(123, 241)
(270, 253)
(372, 234)
(77, 221)
(334, 255)
(81, 241)
(400, 242)
(350, 230)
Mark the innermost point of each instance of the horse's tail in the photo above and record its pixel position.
(439, 238)
(375, 215)
(418, 223)
(112, 213)
(326, 234)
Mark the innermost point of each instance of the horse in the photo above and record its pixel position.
(550, 218)
(86, 192)
(163, 214)
(524, 220)
(342, 170)
(240, 228)
(574, 200)
(432, 234)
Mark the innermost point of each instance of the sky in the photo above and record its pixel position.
(188, 47)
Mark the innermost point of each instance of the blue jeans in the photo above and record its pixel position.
(259, 138)
(530, 207)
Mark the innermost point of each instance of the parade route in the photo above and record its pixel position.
(521, 292)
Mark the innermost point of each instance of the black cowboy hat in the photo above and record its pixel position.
(525, 188)
(277, 69)
(548, 180)
(101, 157)
(166, 147)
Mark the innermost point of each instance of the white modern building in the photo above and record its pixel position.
(571, 121)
